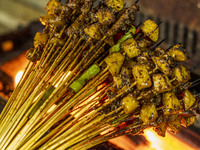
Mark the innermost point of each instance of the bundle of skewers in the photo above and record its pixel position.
(92, 76)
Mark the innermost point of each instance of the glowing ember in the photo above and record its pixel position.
(18, 77)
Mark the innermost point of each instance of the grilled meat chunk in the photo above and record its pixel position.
(130, 104)
(114, 62)
(160, 83)
(141, 76)
(178, 53)
(150, 29)
(170, 102)
(148, 113)
(162, 65)
(131, 48)
(188, 99)
(115, 4)
(105, 16)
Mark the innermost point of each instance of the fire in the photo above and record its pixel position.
(18, 77)
(169, 142)
(154, 139)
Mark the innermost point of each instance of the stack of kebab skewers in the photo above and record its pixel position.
(84, 84)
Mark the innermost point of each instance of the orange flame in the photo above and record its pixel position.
(169, 142)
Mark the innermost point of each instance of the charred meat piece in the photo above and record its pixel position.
(178, 53)
(40, 39)
(160, 83)
(131, 48)
(188, 99)
(170, 102)
(52, 6)
(118, 81)
(114, 62)
(93, 31)
(180, 74)
(115, 4)
(175, 126)
(121, 21)
(55, 8)
(150, 29)
(141, 76)
(162, 65)
(52, 20)
(187, 120)
(144, 43)
(105, 16)
(130, 104)
(148, 113)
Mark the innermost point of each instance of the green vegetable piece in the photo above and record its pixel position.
(88, 74)
(77, 85)
(128, 35)
(43, 99)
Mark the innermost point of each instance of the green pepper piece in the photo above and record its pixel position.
(88, 74)
(77, 85)
(128, 35)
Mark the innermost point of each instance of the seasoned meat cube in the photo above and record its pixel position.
(150, 29)
(159, 51)
(121, 21)
(129, 64)
(114, 62)
(142, 59)
(55, 7)
(171, 102)
(58, 41)
(93, 31)
(52, 20)
(130, 104)
(117, 81)
(126, 72)
(160, 83)
(105, 16)
(40, 39)
(185, 73)
(175, 126)
(161, 129)
(162, 64)
(177, 75)
(115, 4)
(144, 43)
(52, 5)
(141, 76)
(33, 55)
(148, 113)
(178, 53)
(131, 48)
(187, 120)
(180, 74)
(188, 99)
